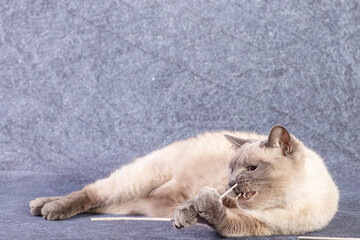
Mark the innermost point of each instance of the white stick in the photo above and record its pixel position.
(326, 238)
(230, 189)
(131, 219)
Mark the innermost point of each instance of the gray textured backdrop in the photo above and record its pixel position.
(86, 86)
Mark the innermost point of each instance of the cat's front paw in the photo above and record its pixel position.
(208, 205)
(185, 215)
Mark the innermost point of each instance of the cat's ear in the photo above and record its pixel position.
(238, 142)
(280, 137)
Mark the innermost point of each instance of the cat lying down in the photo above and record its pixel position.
(282, 186)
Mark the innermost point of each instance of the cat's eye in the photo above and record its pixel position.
(251, 168)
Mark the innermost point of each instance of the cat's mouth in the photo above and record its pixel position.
(245, 195)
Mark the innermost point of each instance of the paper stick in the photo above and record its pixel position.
(131, 219)
(227, 192)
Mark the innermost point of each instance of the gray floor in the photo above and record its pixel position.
(86, 86)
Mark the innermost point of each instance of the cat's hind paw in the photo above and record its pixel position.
(185, 215)
(54, 211)
(50, 208)
(38, 203)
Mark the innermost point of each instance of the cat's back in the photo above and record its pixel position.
(320, 186)
(208, 147)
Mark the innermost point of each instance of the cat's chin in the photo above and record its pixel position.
(246, 195)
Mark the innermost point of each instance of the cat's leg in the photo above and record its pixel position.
(109, 195)
(227, 222)
(57, 208)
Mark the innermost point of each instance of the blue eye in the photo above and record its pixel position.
(251, 168)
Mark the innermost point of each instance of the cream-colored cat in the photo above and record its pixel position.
(283, 187)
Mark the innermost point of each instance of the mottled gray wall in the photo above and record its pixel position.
(90, 84)
(86, 86)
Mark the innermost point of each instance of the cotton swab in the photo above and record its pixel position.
(229, 190)
(148, 218)
(131, 219)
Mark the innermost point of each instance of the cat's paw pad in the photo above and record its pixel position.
(54, 211)
(38, 203)
(185, 215)
(208, 203)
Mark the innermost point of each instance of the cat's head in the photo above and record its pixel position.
(266, 171)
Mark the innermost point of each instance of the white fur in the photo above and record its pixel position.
(311, 200)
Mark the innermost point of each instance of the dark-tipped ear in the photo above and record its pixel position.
(238, 142)
(280, 137)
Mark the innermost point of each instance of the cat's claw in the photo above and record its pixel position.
(185, 215)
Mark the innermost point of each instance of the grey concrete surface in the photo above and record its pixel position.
(86, 86)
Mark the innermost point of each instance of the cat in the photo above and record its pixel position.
(283, 188)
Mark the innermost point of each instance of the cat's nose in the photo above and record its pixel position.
(231, 183)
